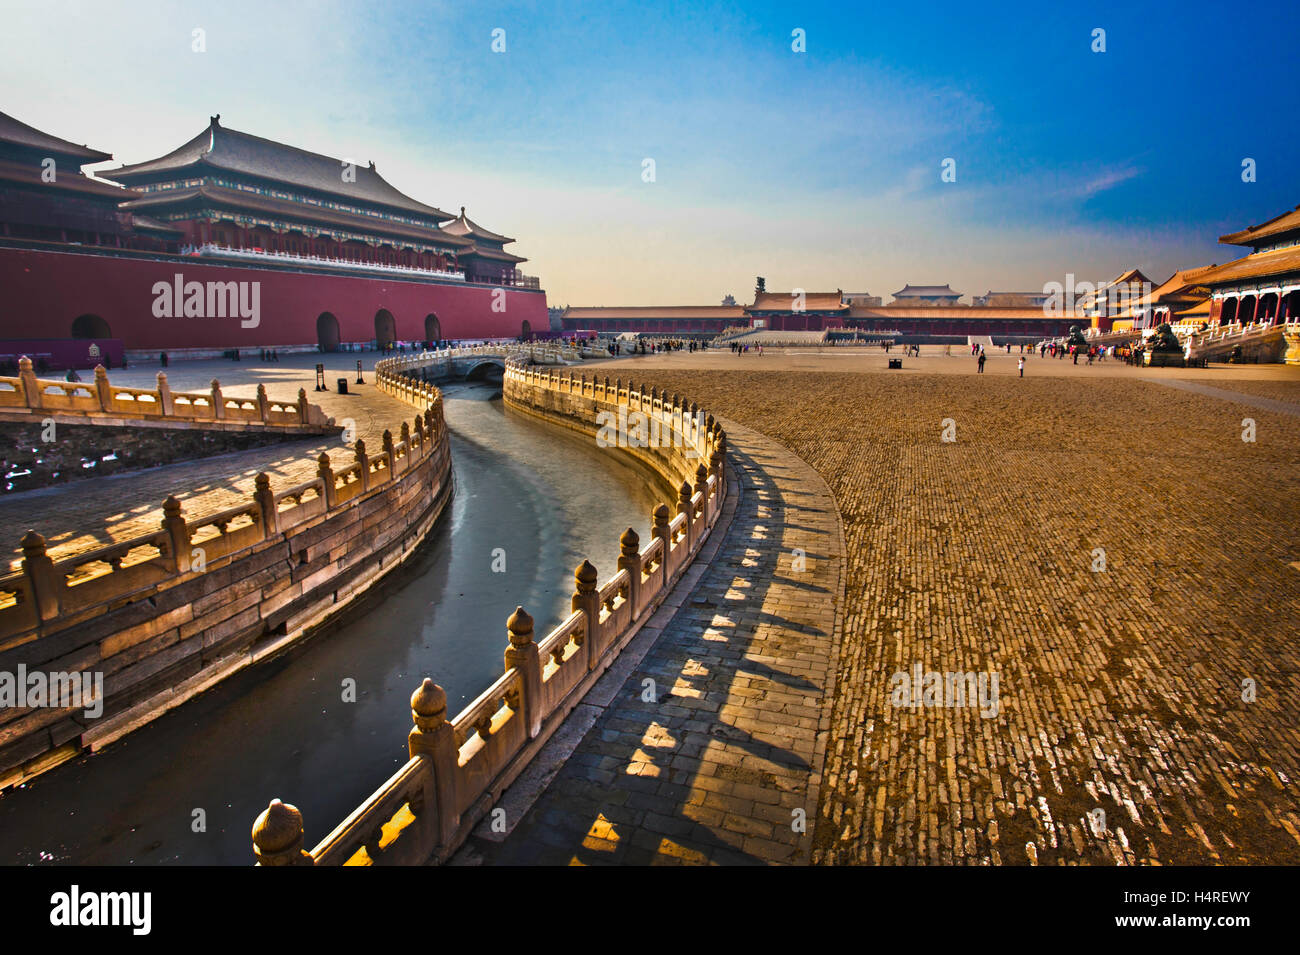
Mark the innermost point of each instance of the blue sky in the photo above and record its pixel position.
(818, 169)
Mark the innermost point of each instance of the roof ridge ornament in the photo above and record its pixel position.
(215, 120)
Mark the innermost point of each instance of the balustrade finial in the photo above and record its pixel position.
(630, 543)
(278, 834)
(33, 544)
(428, 704)
(585, 577)
(520, 627)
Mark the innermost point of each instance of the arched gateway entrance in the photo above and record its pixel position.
(385, 328)
(432, 328)
(90, 326)
(327, 332)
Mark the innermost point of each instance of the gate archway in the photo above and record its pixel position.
(432, 328)
(526, 329)
(90, 326)
(385, 328)
(327, 332)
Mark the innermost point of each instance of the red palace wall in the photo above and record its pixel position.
(42, 292)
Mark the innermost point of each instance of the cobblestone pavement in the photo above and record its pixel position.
(1253, 400)
(93, 513)
(1126, 690)
(725, 767)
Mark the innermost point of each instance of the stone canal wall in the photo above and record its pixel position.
(460, 765)
(148, 623)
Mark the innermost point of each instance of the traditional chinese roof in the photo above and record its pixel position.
(494, 254)
(1196, 310)
(1256, 266)
(1127, 277)
(289, 210)
(29, 174)
(21, 138)
(1012, 299)
(464, 226)
(899, 310)
(1256, 235)
(219, 148)
(147, 224)
(784, 302)
(926, 291)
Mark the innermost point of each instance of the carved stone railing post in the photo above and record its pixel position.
(363, 460)
(165, 405)
(406, 442)
(629, 559)
(684, 507)
(434, 737)
(263, 404)
(44, 581)
(325, 470)
(659, 519)
(717, 464)
(702, 488)
(266, 505)
(304, 410)
(277, 836)
(522, 654)
(390, 452)
(31, 384)
(103, 389)
(218, 401)
(586, 600)
(178, 535)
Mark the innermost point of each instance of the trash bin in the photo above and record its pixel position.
(343, 386)
(895, 363)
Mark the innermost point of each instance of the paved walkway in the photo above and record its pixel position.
(1113, 552)
(85, 515)
(1254, 401)
(727, 763)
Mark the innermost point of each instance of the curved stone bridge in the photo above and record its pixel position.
(465, 362)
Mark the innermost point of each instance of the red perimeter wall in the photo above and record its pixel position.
(42, 292)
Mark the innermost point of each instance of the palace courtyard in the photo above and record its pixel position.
(1101, 539)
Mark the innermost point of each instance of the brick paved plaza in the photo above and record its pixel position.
(1119, 690)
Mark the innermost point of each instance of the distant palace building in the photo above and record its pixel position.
(865, 299)
(1010, 299)
(1264, 285)
(937, 295)
(799, 310)
(338, 255)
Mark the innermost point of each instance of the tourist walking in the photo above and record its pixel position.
(981, 361)
(1022, 366)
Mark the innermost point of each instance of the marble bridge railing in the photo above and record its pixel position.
(100, 400)
(459, 765)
